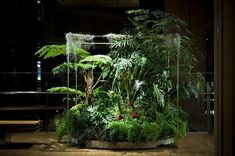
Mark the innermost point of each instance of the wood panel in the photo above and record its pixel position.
(218, 75)
(224, 76)
(228, 70)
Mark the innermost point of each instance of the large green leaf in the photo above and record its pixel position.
(159, 95)
(64, 66)
(97, 60)
(66, 90)
(51, 51)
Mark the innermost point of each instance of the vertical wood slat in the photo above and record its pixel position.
(228, 70)
(224, 74)
(218, 75)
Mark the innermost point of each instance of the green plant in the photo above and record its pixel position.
(116, 131)
(65, 123)
(51, 51)
(150, 131)
(88, 65)
(159, 51)
(133, 97)
(132, 131)
(99, 111)
(68, 122)
(173, 122)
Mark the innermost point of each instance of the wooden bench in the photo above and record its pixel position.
(17, 126)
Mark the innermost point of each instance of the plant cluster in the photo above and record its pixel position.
(131, 93)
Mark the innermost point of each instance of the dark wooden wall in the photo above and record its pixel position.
(224, 76)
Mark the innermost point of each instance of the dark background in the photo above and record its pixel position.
(27, 25)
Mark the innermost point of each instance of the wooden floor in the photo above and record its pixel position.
(44, 144)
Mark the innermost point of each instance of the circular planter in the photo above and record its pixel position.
(120, 145)
(128, 145)
(166, 142)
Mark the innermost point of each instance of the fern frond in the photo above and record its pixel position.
(85, 66)
(66, 90)
(82, 53)
(97, 60)
(50, 51)
(64, 66)
(60, 68)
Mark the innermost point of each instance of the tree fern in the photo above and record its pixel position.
(50, 51)
(96, 60)
(63, 68)
(66, 90)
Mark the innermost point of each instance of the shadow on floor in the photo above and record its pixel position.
(16, 146)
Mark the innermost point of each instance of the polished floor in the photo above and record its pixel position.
(44, 144)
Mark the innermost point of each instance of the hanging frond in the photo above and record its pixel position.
(96, 60)
(66, 90)
(81, 53)
(64, 66)
(85, 66)
(51, 51)
(60, 68)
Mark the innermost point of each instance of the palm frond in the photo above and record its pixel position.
(123, 43)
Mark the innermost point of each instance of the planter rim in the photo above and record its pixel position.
(128, 145)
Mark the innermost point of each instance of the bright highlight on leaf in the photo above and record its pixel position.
(66, 90)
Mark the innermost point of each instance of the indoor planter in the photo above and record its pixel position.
(97, 144)
(119, 145)
(130, 95)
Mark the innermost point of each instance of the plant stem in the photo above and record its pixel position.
(114, 81)
(98, 80)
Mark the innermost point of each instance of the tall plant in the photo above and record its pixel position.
(82, 101)
(164, 42)
(137, 102)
